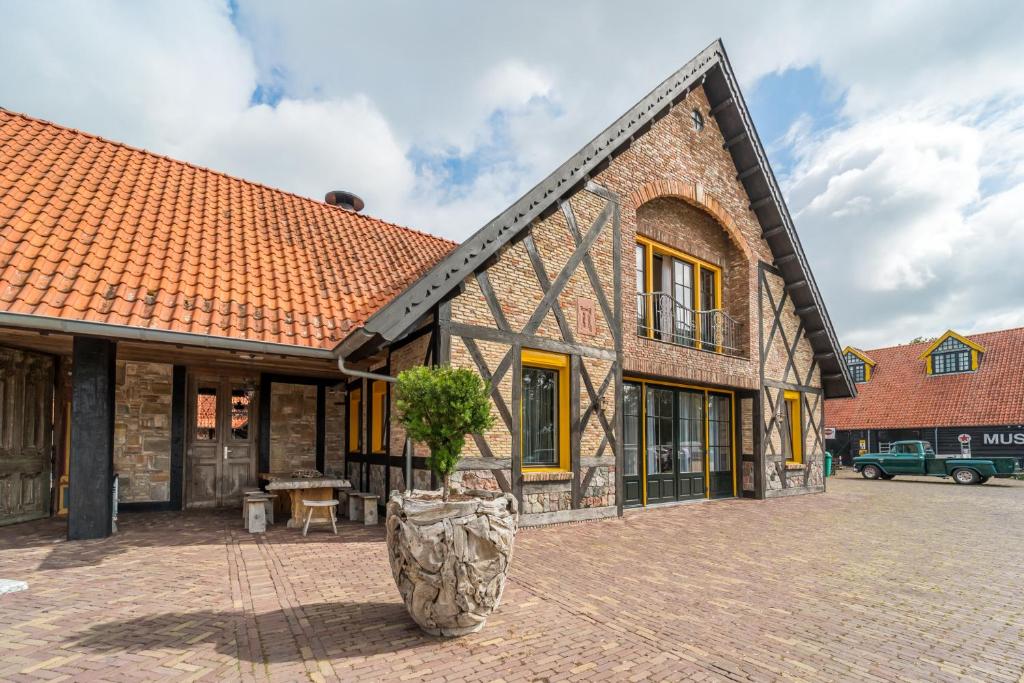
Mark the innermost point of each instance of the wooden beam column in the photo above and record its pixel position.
(92, 438)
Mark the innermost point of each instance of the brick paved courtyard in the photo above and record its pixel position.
(870, 581)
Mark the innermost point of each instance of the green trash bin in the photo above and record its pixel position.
(828, 464)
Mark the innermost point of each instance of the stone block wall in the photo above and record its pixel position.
(334, 441)
(142, 431)
(292, 427)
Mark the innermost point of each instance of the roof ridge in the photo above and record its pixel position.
(924, 343)
(207, 169)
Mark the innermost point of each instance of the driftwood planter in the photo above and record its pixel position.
(450, 560)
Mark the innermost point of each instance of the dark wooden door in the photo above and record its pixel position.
(222, 454)
(631, 443)
(692, 449)
(661, 445)
(720, 451)
(26, 435)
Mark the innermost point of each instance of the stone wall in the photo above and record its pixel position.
(292, 427)
(142, 431)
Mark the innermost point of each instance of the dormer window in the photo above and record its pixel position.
(952, 353)
(859, 364)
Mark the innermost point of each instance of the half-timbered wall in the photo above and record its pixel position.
(553, 290)
(789, 364)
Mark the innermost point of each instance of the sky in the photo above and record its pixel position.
(896, 129)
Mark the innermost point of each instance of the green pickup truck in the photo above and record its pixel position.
(917, 457)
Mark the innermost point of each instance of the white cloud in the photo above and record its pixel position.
(908, 208)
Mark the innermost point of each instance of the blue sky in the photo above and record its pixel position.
(896, 130)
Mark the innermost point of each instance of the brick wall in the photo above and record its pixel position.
(142, 431)
(334, 433)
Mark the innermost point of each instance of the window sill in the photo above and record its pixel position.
(546, 475)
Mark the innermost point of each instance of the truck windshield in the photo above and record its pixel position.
(928, 448)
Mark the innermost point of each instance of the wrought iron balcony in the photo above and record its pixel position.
(659, 316)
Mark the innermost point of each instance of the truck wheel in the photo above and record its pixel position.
(963, 476)
(983, 480)
(871, 472)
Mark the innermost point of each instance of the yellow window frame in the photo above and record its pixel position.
(652, 247)
(796, 425)
(355, 421)
(546, 360)
(378, 405)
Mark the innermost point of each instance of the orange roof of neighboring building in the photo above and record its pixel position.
(901, 395)
(94, 230)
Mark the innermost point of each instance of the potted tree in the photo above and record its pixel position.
(450, 550)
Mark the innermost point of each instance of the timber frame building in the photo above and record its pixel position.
(645, 316)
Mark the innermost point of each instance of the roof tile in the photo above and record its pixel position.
(95, 230)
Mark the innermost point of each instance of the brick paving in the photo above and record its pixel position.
(914, 579)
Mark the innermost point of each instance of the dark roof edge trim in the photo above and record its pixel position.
(754, 141)
(400, 313)
(87, 328)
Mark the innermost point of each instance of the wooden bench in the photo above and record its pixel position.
(312, 505)
(362, 507)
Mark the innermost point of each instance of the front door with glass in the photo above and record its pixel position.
(221, 451)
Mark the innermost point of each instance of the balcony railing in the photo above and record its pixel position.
(659, 316)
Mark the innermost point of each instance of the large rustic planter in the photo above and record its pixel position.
(450, 560)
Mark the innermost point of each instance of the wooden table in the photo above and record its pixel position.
(321, 488)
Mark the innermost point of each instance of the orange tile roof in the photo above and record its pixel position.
(901, 395)
(94, 230)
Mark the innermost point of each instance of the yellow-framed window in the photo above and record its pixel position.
(673, 287)
(355, 420)
(794, 415)
(378, 411)
(544, 412)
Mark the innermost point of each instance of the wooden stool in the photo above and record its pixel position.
(312, 505)
(256, 515)
(363, 507)
(268, 502)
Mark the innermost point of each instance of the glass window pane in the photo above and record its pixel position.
(641, 287)
(631, 430)
(691, 432)
(720, 432)
(660, 439)
(206, 414)
(241, 402)
(540, 416)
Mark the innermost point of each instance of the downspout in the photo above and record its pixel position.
(376, 377)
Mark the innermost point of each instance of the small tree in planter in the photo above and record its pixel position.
(449, 555)
(439, 407)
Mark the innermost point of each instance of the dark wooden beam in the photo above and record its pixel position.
(760, 202)
(91, 506)
(834, 375)
(799, 284)
(804, 310)
(782, 260)
(747, 172)
(817, 333)
(264, 447)
(179, 412)
(773, 231)
(724, 104)
(735, 140)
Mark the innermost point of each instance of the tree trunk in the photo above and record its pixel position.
(444, 484)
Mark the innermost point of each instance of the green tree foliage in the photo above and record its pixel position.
(439, 407)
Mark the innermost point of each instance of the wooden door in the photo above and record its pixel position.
(692, 444)
(661, 445)
(26, 435)
(632, 411)
(222, 454)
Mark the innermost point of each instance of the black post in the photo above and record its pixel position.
(266, 386)
(92, 438)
